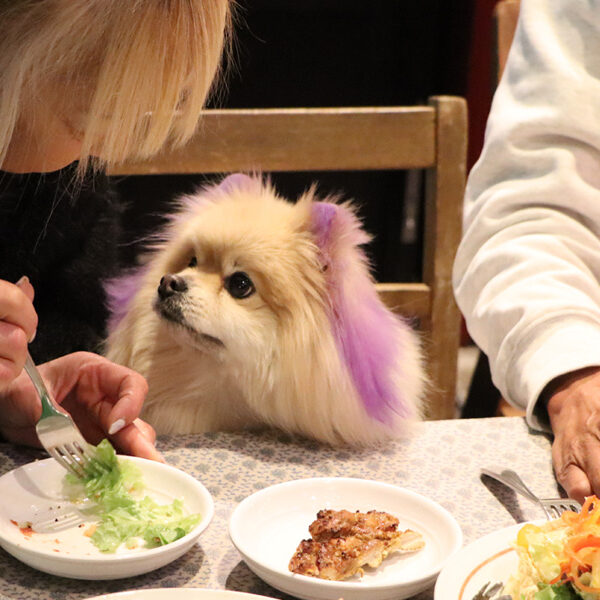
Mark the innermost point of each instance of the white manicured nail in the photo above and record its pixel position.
(116, 426)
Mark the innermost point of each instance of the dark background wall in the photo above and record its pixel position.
(314, 53)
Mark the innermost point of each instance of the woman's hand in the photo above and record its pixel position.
(574, 411)
(103, 398)
(18, 322)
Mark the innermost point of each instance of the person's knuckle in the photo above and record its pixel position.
(567, 455)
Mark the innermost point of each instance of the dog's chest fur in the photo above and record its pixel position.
(200, 393)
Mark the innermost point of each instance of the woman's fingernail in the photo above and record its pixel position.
(116, 426)
(158, 457)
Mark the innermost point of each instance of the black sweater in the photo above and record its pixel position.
(65, 237)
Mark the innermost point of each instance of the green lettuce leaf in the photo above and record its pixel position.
(126, 517)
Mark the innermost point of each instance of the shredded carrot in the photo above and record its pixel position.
(582, 549)
(584, 588)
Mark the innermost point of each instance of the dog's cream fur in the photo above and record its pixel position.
(216, 362)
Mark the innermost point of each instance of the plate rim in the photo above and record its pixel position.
(132, 557)
(124, 594)
(499, 537)
(374, 586)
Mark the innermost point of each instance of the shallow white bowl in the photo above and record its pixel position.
(33, 493)
(267, 527)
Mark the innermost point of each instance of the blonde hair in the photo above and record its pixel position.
(131, 76)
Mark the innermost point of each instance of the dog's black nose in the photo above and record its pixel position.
(171, 285)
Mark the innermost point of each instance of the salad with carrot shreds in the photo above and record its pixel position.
(560, 559)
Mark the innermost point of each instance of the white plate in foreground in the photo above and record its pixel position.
(33, 493)
(267, 527)
(178, 594)
(489, 559)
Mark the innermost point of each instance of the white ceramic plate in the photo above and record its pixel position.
(488, 559)
(33, 493)
(178, 594)
(267, 527)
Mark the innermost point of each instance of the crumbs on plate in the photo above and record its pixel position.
(25, 528)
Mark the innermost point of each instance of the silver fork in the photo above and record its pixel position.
(57, 431)
(552, 507)
(489, 591)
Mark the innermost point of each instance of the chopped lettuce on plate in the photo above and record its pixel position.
(126, 515)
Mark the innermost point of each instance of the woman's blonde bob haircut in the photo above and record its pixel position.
(127, 76)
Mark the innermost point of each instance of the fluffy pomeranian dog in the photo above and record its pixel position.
(252, 310)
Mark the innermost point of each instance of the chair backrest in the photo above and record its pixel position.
(431, 137)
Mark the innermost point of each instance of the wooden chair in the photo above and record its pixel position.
(431, 137)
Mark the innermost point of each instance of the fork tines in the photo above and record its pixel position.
(78, 458)
(559, 505)
(490, 591)
(58, 433)
(72, 457)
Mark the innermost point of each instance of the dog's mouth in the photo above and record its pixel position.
(173, 314)
(169, 311)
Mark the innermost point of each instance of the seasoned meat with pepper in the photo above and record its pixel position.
(343, 542)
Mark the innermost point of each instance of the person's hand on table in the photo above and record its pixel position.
(103, 398)
(574, 410)
(18, 322)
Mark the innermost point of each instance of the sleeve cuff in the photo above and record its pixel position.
(551, 349)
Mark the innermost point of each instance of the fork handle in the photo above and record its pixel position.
(513, 481)
(48, 408)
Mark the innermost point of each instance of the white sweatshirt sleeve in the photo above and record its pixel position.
(527, 273)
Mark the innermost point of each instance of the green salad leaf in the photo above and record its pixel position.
(127, 517)
(557, 591)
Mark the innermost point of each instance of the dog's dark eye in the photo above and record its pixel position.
(239, 285)
(193, 262)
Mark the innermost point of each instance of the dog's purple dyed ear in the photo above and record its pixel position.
(234, 181)
(322, 214)
(366, 332)
(119, 294)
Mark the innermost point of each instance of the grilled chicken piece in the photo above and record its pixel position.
(343, 523)
(343, 542)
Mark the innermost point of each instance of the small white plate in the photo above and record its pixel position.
(267, 527)
(33, 493)
(179, 594)
(489, 559)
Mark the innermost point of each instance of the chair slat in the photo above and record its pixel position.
(315, 139)
(443, 224)
(410, 299)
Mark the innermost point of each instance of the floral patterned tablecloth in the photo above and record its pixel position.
(440, 460)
